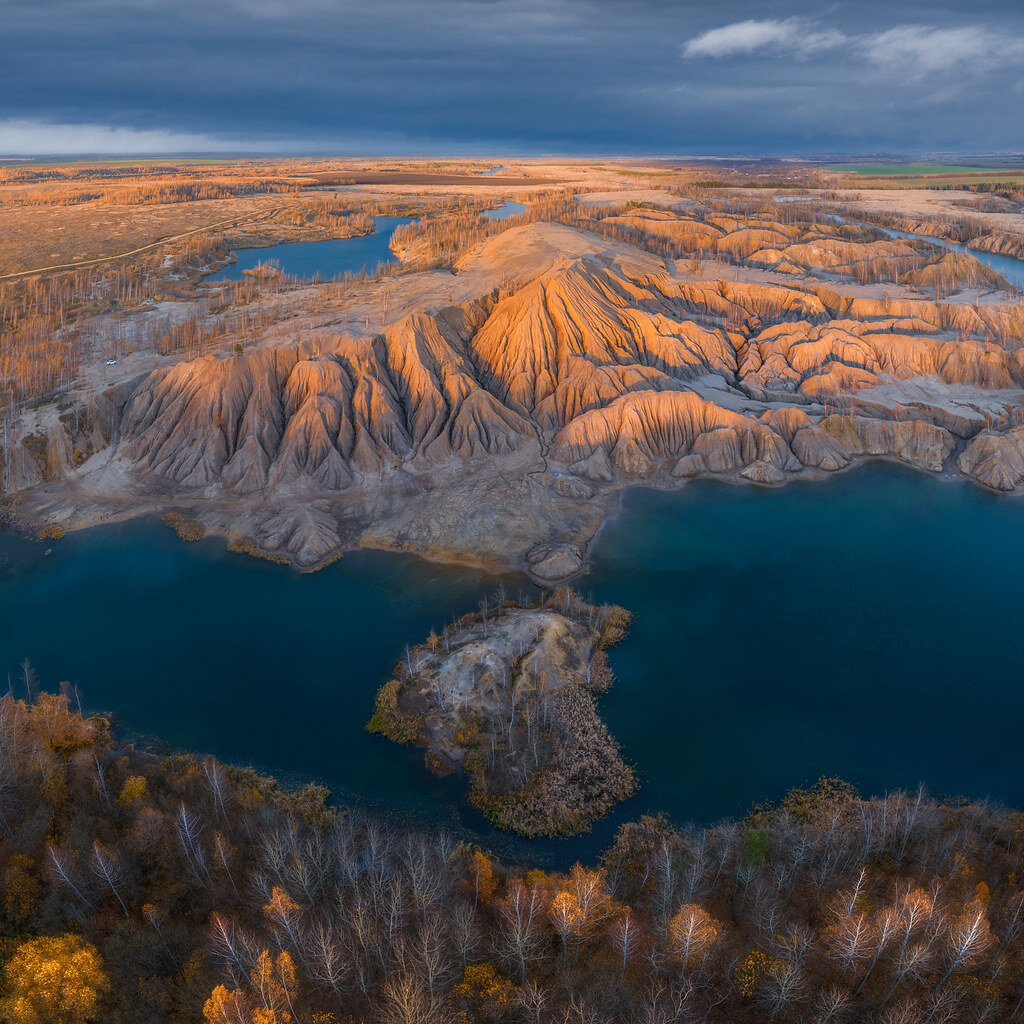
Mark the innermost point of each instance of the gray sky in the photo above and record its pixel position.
(511, 76)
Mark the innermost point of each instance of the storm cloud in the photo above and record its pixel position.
(509, 76)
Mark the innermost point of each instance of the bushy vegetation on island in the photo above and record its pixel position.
(143, 888)
(507, 695)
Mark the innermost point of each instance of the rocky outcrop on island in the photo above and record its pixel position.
(507, 697)
(498, 431)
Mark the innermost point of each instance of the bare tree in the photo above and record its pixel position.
(61, 864)
(625, 936)
(189, 829)
(968, 939)
(521, 918)
(105, 866)
(326, 960)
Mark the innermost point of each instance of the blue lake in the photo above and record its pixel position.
(869, 626)
(506, 210)
(325, 260)
(320, 259)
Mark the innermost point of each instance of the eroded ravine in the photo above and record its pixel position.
(498, 431)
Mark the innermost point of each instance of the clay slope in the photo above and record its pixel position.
(680, 231)
(844, 355)
(585, 334)
(795, 249)
(954, 271)
(322, 416)
(495, 431)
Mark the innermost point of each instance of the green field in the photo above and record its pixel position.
(884, 170)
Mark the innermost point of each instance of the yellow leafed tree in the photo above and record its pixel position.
(53, 980)
(272, 984)
(693, 932)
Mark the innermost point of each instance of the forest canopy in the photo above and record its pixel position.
(142, 888)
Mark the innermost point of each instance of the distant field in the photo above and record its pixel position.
(884, 170)
(69, 212)
(930, 181)
(45, 236)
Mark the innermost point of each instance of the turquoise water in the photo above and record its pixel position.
(321, 259)
(869, 626)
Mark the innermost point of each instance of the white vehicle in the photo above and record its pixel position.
(111, 362)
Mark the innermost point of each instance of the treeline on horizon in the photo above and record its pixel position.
(140, 888)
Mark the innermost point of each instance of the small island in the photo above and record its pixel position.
(506, 695)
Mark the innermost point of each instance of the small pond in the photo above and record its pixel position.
(506, 210)
(323, 260)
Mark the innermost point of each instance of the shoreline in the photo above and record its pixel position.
(623, 691)
(493, 562)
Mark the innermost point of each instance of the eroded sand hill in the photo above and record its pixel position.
(497, 429)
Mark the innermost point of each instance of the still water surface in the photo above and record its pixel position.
(320, 259)
(326, 260)
(506, 210)
(1010, 268)
(870, 626)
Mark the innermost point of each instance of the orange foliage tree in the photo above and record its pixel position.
(268, 1001)
(53, 980)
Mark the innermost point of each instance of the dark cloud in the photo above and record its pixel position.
(654, 76)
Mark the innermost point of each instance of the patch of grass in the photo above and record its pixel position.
(964, 182)
(336, 557)
(389, 720)
(245, 546)
(646, 174)
(185, 528)
(915, 170)
(615, 623)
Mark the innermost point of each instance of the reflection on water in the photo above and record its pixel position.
(865, 626)
(321, 259)
(506, 210)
